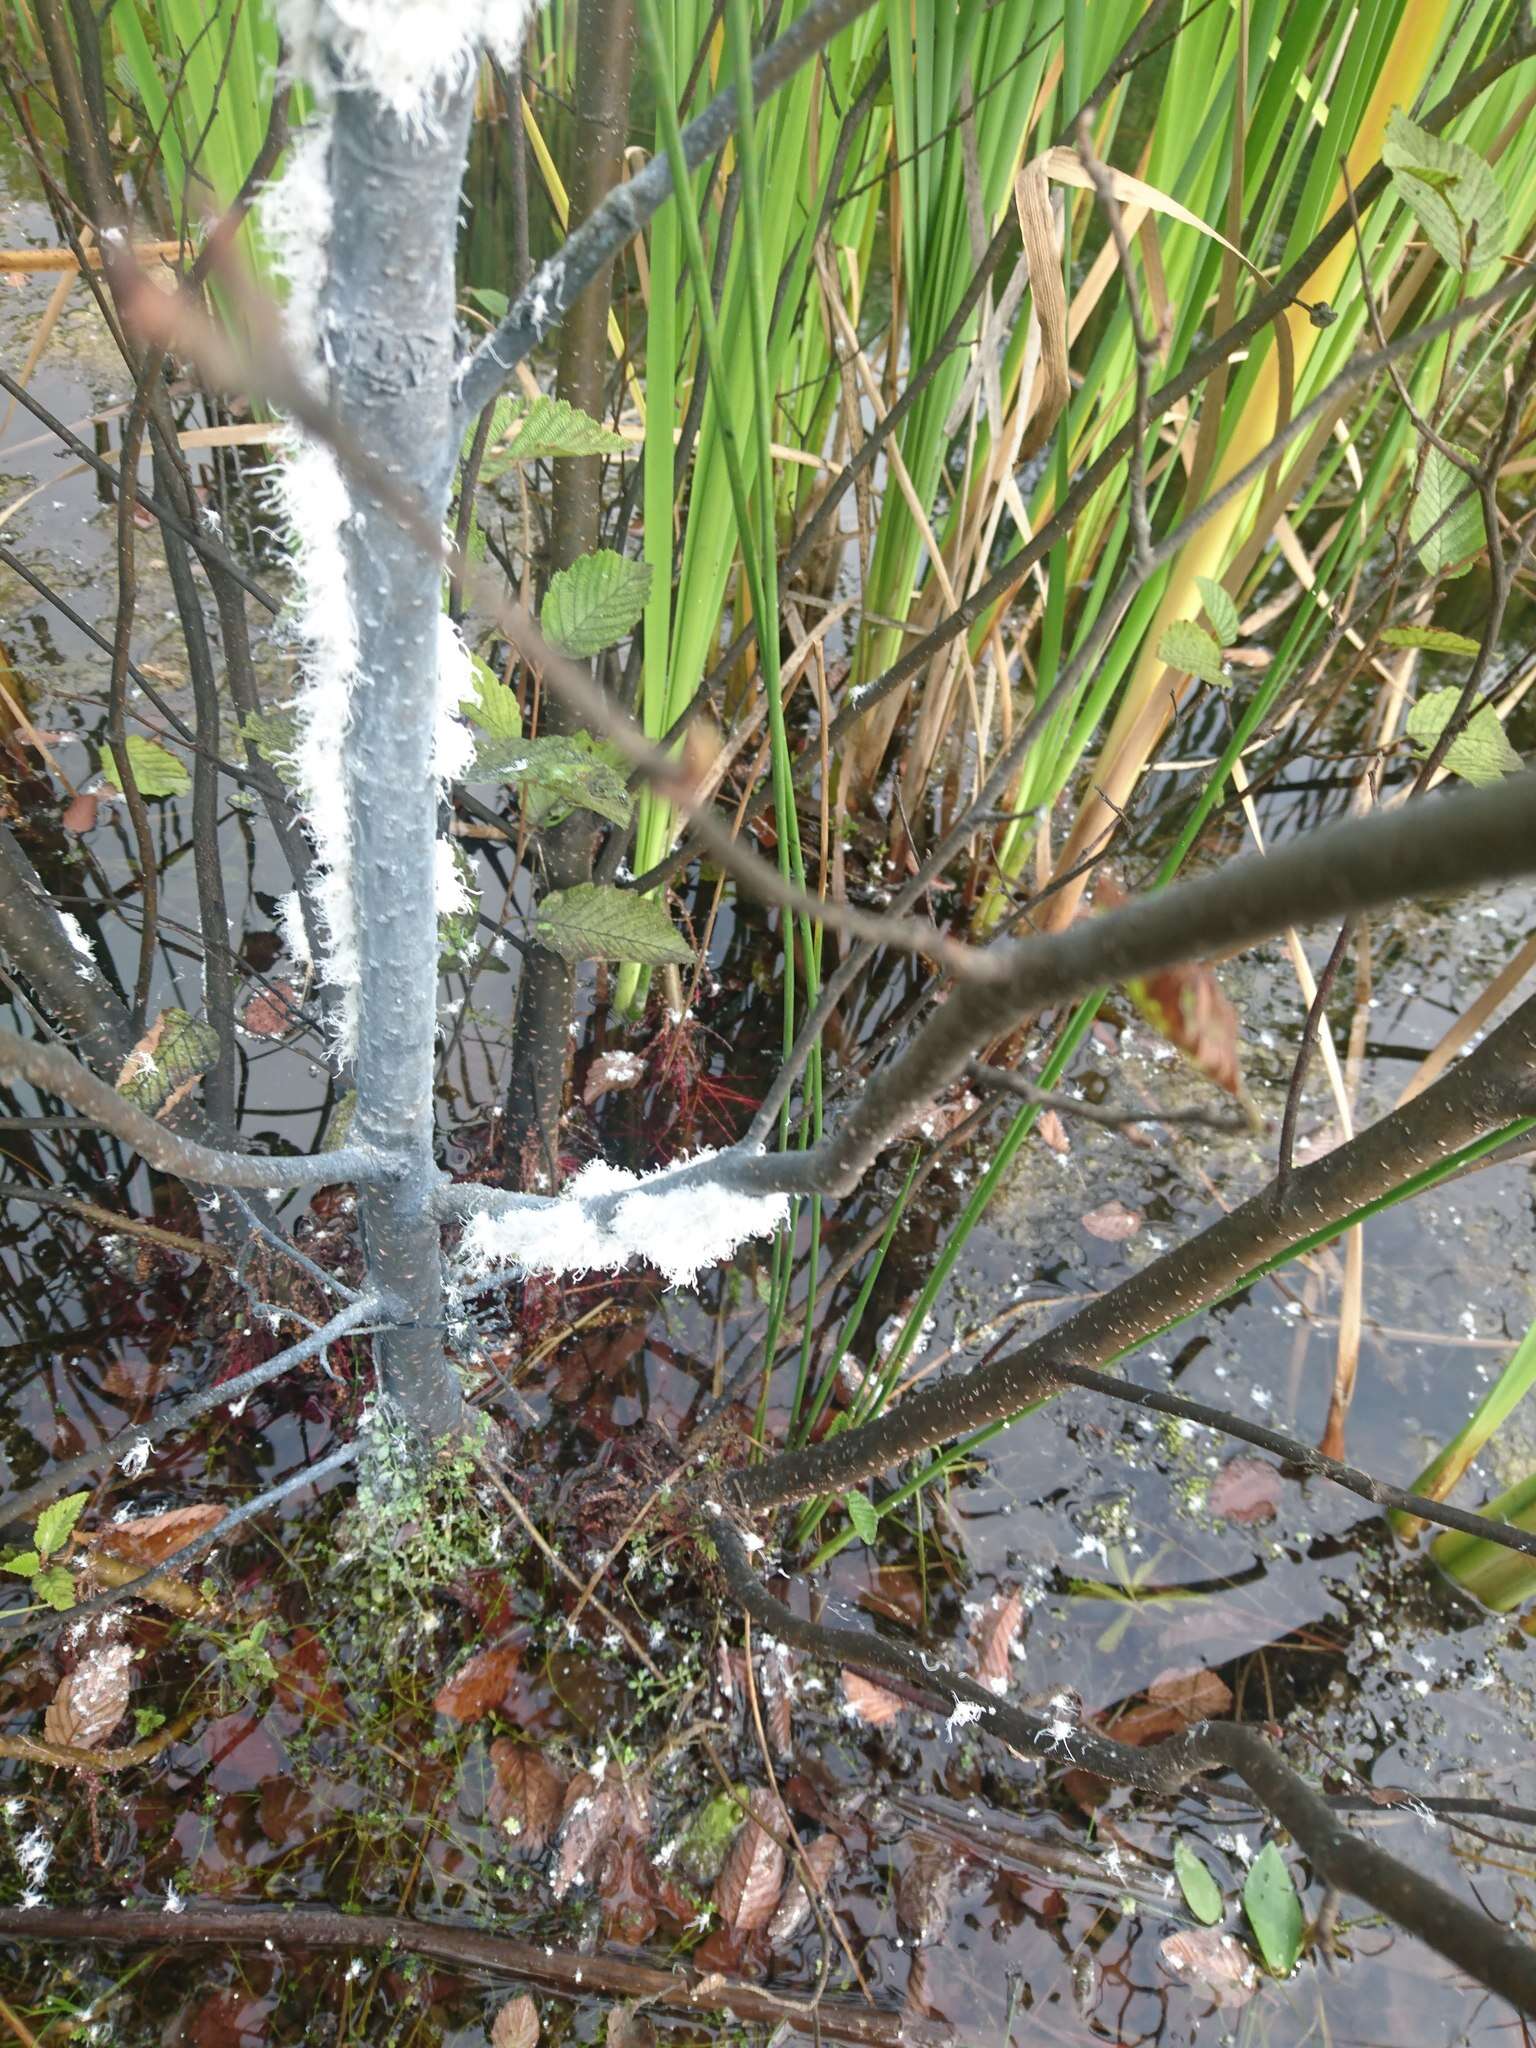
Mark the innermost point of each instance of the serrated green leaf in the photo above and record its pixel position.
(554, 776)
(1186, 646)
(593, 604)
(488, 300)
(1220, 610)
(156, 770)
(1202, 1894)
(1445, 520)
(274, 735)
(595, 922)
(1433, 639)
(543, 429)
(56, 1588)
(1274, 1911)
(26, 1564)
(1480, 753)
(861, 1513)
(339, 1126)
(702, 1850)
(1451, 192)
(176, 1050)
(52, 1528)
(493, 708)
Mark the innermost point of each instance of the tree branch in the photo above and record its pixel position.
(139, 1437)
(1473, 1942)
(51, 1068)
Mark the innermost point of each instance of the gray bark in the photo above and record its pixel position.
(388, 324)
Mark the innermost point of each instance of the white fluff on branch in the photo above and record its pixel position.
(406, 52)
(680, 1229)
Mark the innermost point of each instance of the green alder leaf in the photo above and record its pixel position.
(1186, 646)
(546, 428)
(1479, 754)
(593, 604)
(493, 710)
(555, 776)
(274, 735)
(156, 769)
(1433, 639)
(55, 1587)
(26, 1564)
(1451, 192)
(174, 1051)
(1445, 520)
(861, 1513)
(596, 922)
(52, 1529)
(489, 301)
(1274, 1911)
(1202, 1894)
(1220, 610)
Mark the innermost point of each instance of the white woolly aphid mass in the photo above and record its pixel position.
(678, 1230)
(404, 51)
(405, 54)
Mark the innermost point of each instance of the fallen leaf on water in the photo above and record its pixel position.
(517, 2024)
(479, 1687)
(526, 1794)
(1212, 1962)
(93, 1698)
(1113, 1222)
(628, 2027)
(993, 1637)
(610, 1072)
(79, 814)
(747, 1889)
(821, 1858)
(1197, 1695)
(595, 1816)
(869, 1702)
(1246, 1490)
(147, 1540)
(924, 1891)
(271, 1013)
(1053, 1133)
(1148, 1722)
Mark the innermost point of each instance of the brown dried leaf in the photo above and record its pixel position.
(1053, 1133)
(517, 2024)
(79, 814)
(526, 1794)
(148, 1540)
(610, 1072)
(868, 1702)
(1113, 1222)
(271, 1013)
(993, 1637)
(480, 1687)
(924, 1890)
(940, 1118)
(747, 1889)
(1187, 1006)
(793, 1910)
(596, 1815)
(1213, 1962)
(1197, 1695)
(93, 1698)
(1149, 1722)
(1246, 1490)
(628, 2027)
